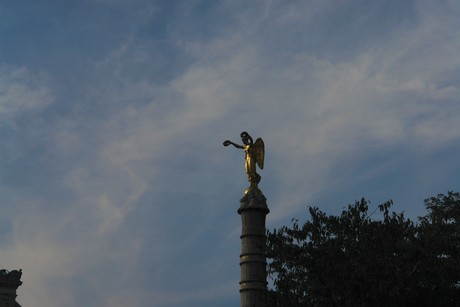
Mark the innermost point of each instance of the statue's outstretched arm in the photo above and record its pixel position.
(227, 142)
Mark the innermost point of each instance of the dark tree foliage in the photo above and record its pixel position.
(354, 260)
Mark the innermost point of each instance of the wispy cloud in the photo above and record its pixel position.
(21, 91)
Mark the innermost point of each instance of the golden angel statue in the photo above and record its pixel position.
(255, 153)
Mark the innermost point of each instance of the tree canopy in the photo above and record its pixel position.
(356, 260)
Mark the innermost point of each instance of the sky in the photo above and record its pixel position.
(115, 187)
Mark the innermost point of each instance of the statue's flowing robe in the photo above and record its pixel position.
(255, 154)
(251, 161)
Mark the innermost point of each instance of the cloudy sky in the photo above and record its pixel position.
(115, 187)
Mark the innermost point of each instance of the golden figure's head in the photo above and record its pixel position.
(246, 138)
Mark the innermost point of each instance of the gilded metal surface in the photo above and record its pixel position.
(255, 154)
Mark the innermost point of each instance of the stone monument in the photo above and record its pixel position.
(9, 283)
(253, 210)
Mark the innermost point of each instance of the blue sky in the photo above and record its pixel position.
(115, 187)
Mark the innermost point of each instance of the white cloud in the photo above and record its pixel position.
(21, 91)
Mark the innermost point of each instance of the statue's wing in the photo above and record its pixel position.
(259, 147)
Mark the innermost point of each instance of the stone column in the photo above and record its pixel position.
(253, 285)
(9, 283)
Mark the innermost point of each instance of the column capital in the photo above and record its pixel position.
(253, 199)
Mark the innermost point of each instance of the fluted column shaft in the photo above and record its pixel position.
(253, 285)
